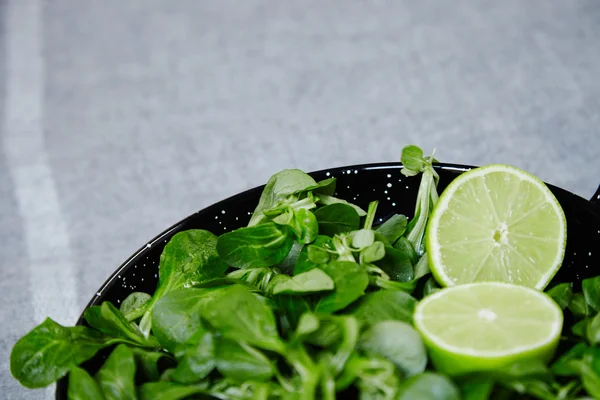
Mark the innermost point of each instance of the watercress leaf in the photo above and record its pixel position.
(307, 378)
(254, 247)
(383, 305)
(318, 255)
(328, 334)
(303, 263)
(276, 280)
(293, 181)
(326, 186)
(349, 327)
(307, 324)
(428, 385)
(250, 390)
(238, 314)
(404, 246)
(524, 376)
(591, 291)
(254, 278)
(579, 306)
(358, 365)
(49, 351)
(591, 356)
(363, 238)
(329, 200)
(343, 250)
(431, 286)
(289, 262)
(289, 310)
(220, 282)
(82, 386)
(476, 389)
(570, 390)
(284, 216)
(379, 381)
(562, 294)
(307, 227)
(580, 328)
(279, 186)
(563, 366)
(397, 265)
(412, 158)
(422, 267)
(398, 342)
(374, 252)
(407, 287)
(337, 218)
(536, 389)
(108, 319)
(350, 279)
(135, 305)
(409, 172)
(171, 390)
(116, 377)
(340, 334)
(196, 359)
(590, 379)
(190, 257)
(590, 371)
(167, 374)
(327, 382)
(370, 217)
(393, 228)
(314, 280)
(262, 391)
(150, 363)
(592, 331)
(380, 238)
(526, 369)
(241, 362)
(427, 197)
(178, 315)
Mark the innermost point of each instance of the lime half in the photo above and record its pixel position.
(485, 326)
(496, 223)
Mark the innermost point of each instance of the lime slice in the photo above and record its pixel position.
(485, 326)
(496, 223)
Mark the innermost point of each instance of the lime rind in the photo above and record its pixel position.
(438, 315)
(477, 232)
(552, 334)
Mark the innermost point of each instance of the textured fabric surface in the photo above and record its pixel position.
(119, 118)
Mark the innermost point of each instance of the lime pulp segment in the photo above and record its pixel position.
(484, 326)
(496, 223)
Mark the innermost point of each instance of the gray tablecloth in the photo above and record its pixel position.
(119, 118)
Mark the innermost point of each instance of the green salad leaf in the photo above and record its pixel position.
(82, 386)
(116, 377)
(258, 246)
(51, 350)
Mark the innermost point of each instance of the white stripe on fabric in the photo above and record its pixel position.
(51, 271)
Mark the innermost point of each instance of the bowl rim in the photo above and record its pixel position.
(60, 388)
(160, 237)
(361, 167)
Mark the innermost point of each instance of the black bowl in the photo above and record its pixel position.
(359, 184)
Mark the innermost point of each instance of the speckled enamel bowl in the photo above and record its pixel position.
(359, 184)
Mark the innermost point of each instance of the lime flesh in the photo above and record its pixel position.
(496, 223)
(486, 326)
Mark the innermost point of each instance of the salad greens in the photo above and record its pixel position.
(311, 300)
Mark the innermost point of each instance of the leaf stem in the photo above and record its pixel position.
(298, 358)
(370, 218)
